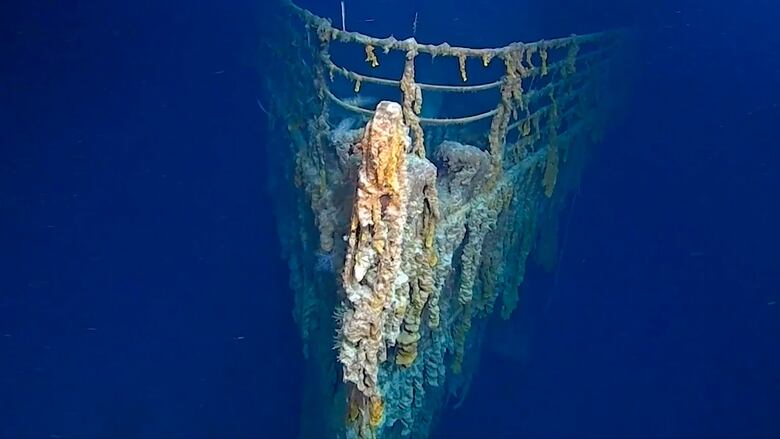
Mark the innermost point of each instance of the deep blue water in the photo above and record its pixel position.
(142, 293)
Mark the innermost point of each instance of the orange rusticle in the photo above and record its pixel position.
(374, 247)
(376, 408)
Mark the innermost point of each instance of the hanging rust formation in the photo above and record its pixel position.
(405, 230)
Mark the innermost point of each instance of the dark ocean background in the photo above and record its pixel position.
(142, 292)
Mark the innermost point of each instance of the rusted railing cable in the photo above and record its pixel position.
(530, 73)
(529, 96)
(391, 43)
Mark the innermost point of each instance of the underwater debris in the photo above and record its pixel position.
(408, 226)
